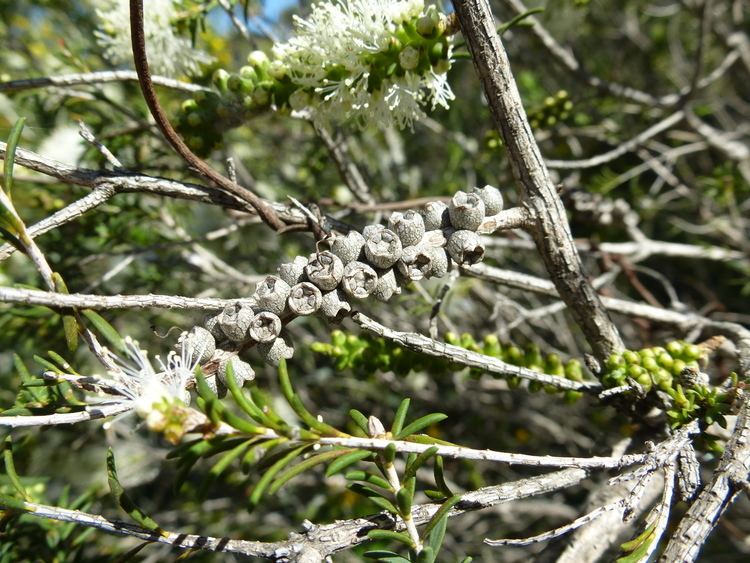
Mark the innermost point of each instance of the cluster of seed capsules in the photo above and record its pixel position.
(377, 262)
(418, 46)
(367, 354)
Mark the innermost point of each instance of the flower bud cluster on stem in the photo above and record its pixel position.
(369, 62)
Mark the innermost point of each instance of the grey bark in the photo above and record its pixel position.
(550, 226)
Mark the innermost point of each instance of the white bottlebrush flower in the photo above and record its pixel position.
(147, 386)
(331, 55)
(168, 54)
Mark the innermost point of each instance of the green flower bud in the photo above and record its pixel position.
(631, 358)
(257, 59)
(675, 348)
(692, 352)
(220, 79)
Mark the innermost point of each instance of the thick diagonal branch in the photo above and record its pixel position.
(550, 226)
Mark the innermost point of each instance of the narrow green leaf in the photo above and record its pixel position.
(398, 419)
(435, 528)
(109, 332)
(10, 469)
(360, 420)
(389, 453)
(122, 499)
(9, 237)
(438, 473)
(404, 500)
(368, 477)
(644, 542)
(518, 19)
(246, 402)
(301, 467)
(428, 440)
(220, 466)
(10, 156)
(420, 424)
(629, 546)
(296, 404)
(374, 496)
(12, 503)
(390, 535)
(268, 476)
(346, 460)
(251, 460)
(427, 555)
(70, 324)
(419, 461)
(61, 362)
(386, 556)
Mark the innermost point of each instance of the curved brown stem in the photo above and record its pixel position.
(138, 39)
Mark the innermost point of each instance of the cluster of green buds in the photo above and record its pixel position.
(258, 86)
(417, 45)
(554, 110)
(675, 371)
(366, 354)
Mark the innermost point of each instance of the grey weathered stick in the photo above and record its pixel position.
(425, 345)
(101, 77)
(101, 302)
(91, 412)
(705, 512)
(550, 230)
(316, 542)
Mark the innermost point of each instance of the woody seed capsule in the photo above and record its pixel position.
(304, 299)
(325, 270)
(273, 352)
(412, 259)
(435, 216)
(465, 247)
(293, 272)
(271, 294)
(437, 265)
(492, 198)
(408, 226)
(265, 327)
(359, 280)
(348, 248)
(234, 321)
(199, 343)
(382, 248)
(334, 305)
(466, 211)
(387, 285)
(242, 370)
(211, 324)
